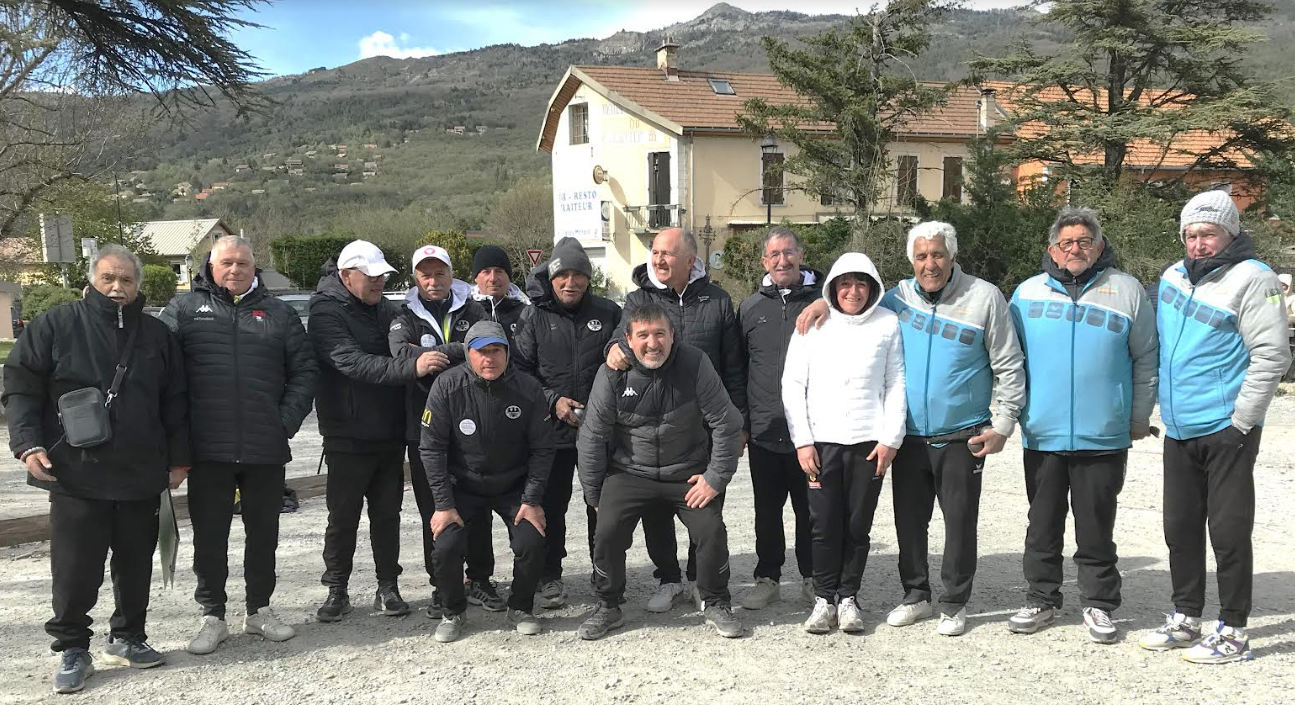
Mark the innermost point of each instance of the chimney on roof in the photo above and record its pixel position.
(988, 109)
(667, 59)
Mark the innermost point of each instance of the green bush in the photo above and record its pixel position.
(300, 258)
(455, 243)
(158, 285)
(822, 244)
(40, 298)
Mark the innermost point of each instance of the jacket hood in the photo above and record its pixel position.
(645, 277)
(808, 278)
(852, 263)
(330, 284)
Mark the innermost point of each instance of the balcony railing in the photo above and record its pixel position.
(647, 219)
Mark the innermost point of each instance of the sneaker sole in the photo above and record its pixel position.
(393, 613)
(528, 629)
(1103, 638)
(212, 650)
(818, 630)
(329, 620)
(1168, 647)
(951, 632)
(1024, 629)
(123, 661)
(673, 603)
(1246, 655)
(447, 639)
(75, 689)
(257, 632)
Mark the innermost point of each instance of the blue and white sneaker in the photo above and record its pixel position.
(1178, 632)
(1225, 645)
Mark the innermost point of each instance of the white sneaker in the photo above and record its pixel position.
(765, 592)
(849, 616)
(807, 590)
(953, 624)
(1224, 645)
(666, 596)
(1101, 630)
(266, 623)
(210, 634)
(823, 619)
(1178, 632)
(906, 614)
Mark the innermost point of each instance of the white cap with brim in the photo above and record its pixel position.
(366, 257)
(431, 252)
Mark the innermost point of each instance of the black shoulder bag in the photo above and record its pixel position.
(84, 413)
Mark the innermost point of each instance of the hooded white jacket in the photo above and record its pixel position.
(844, 382)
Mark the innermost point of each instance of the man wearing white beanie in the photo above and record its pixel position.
(1223, 349)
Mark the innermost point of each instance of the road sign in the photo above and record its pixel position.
(535, 256)
(57, 243)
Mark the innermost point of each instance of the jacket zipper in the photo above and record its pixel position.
(1173, 354)
(926, 376)
(238, 393)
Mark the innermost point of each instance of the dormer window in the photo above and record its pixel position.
(721, 86)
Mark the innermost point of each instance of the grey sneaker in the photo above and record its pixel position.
(74, 666)
(434, 609)
(267, 624)
(1101, 630)
(1030, 619)
(667, 595)
(135, 653)
(603, 620)
(210, 634)
(552, 594)
(725, 622)
(450, 628)
(482, 593)
(388, 601)
(524, 621)
(765, 592)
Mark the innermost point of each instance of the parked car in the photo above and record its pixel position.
(300, 302)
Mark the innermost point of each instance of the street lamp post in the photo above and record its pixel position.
(767, 147)
(707, 237)
(188, 270)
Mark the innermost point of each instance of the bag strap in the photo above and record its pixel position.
(121, 367)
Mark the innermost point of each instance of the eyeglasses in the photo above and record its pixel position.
(1083, 243)
(788, 254)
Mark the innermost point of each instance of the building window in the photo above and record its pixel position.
(906, 180)
(953, 178)
(771, 178)
(721, 86)
(579, 116)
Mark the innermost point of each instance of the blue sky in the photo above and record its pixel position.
(301, 34)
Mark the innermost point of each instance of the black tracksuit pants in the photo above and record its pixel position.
(81, 532)
(841, 508)
(625, 499)
(377, 477)
(557, 498)
(921, 474)
(453, 544)
(663, 547)
(211, 509)
(775, 477)
(1210, 483)
(1092, 484)
(426, 506)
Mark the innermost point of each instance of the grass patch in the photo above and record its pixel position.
(5, 347)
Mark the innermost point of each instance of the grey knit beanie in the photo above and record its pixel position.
(1211, 207)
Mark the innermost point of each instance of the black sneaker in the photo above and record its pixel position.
(725, 622)
(337, 605)
(135, 653)
(603, 620)
(388, 601)
(435, 609)
(482, 594)
(75, 665)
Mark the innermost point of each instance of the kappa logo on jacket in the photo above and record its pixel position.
(204, 309)
(629, 392)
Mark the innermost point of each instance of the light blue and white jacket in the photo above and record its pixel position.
(1223, 348)
(1090, 363)
(961, 356)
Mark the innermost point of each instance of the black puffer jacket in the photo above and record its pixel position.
(78, 345)
(703, 318)
(768, 320)
(666, 424)
(561, 347)
(487, 438)
(361, 399)
(252, 371)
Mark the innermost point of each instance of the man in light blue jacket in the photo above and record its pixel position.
(1090, 345)
(1222, 324)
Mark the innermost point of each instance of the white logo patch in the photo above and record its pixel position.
(595, 325)
(396, 325)
(461, 325)
(427, 341)
(629, 392)
(204, 309)
(513, 412)
(467, 427)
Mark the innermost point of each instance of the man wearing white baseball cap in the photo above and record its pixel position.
(359, 407)
(438, 309)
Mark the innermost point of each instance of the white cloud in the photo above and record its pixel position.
(382, 44)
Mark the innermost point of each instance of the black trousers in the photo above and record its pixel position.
(557, 498)
(1210, 483)
(921, 474)
(353, 478)
(663, 546)
(81, 532)
(775, 477)
(627, 498)
(211, 509)
(1092, 484)
(453, 544)
(841, 510)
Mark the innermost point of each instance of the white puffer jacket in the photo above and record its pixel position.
(844, 382)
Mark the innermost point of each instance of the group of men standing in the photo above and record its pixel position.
(654, 403)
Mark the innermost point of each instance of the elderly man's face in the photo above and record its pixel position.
(489, 362)
(671, 260)
(932, 265)
(115, 278)
(1076, 249)
(493, 282)
(233, 268)
(781, 259)
(434, 279)
(569, 287)
(1205, 240)
(363, 287)
(651, 342)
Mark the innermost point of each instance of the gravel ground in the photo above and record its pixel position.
(369, 658)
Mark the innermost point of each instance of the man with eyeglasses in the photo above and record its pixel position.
(1089, 337)
(361, 411)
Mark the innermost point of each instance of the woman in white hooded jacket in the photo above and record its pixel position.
(843, 393)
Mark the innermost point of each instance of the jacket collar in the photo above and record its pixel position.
(809, 279)
(108, 309)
